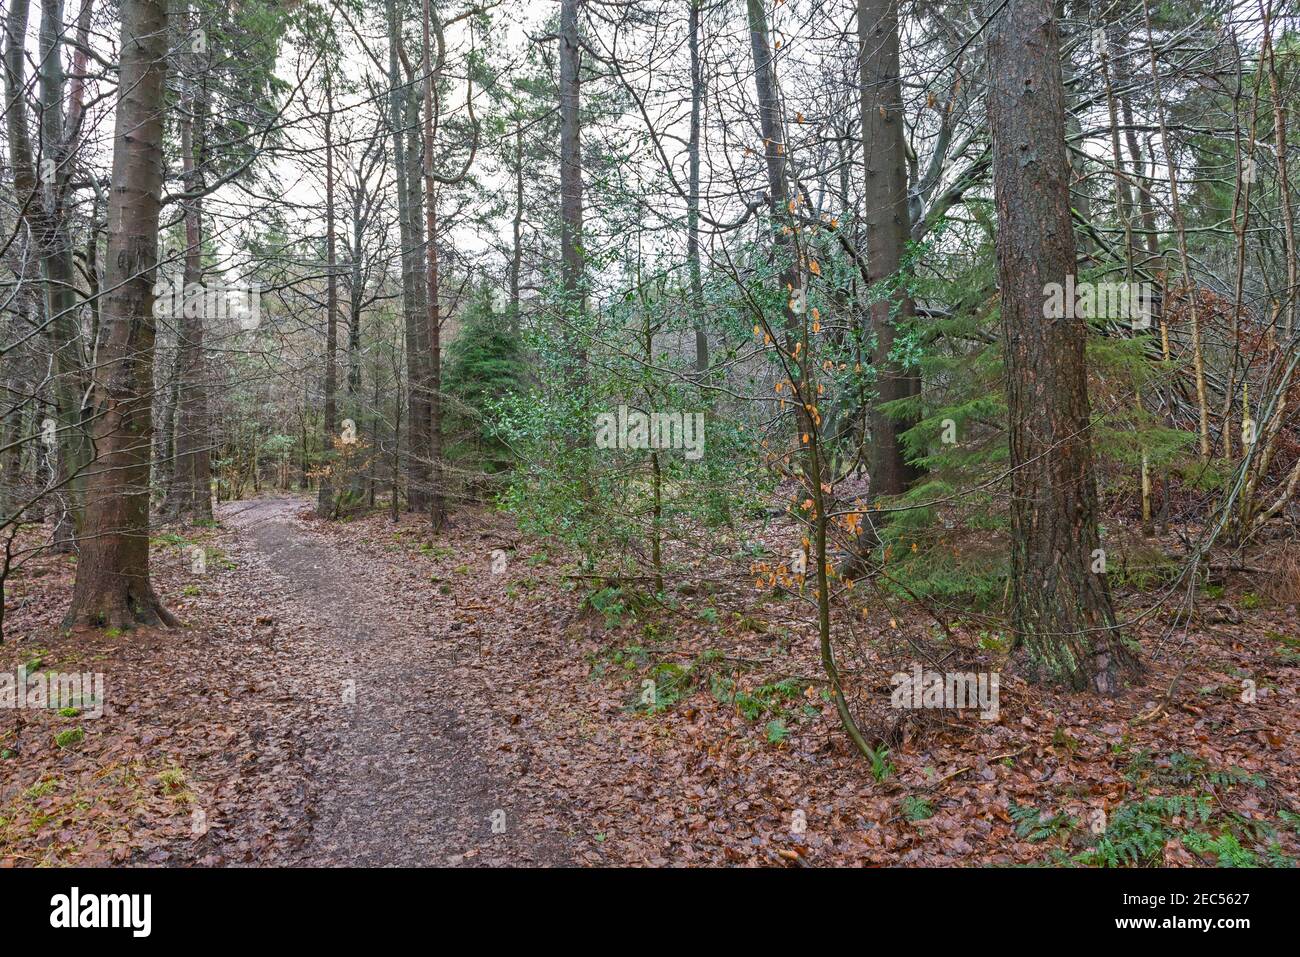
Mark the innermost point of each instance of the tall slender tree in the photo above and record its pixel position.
(329, 421)
(1062, 610)
(571, 253)
(402, 114)
(190, 495)
(41, 184)
(113, 587)
(693, 196)
(885, 217)
(437, 494)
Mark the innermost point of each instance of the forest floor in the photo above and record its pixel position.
(366, 692)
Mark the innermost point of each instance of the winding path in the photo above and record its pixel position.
(406, 782)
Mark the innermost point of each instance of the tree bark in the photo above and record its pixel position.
(403, 117)
(39, 193)
(887, 221)
(1062, 611)
(772, 125)
(437, 500)
(329, 424)
(693, 198)
(517, 227)
(191, 484)
(113, 587)
(356, 300)
(1180, 231)
(571, 253)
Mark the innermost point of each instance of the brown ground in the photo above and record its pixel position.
(477, 693)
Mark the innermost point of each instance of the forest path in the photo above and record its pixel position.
(407, 780)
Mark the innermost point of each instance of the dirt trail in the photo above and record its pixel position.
(406, 781)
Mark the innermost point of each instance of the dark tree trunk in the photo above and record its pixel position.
(517, 228)
(13, 421)
(355, 298)
(329, 424)
(191, 483)
(113, 586)
(56, 263)
(417, 318)
(1062, 611)
(885, 216)
(571, 255)
(164, 416)
(772, 125)
(693, 198)
(356, 295)
(304, 463)
(417, 479)
(40, 194)
(437, 500)
(1123, 81)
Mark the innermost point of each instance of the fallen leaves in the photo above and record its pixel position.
(505, 684)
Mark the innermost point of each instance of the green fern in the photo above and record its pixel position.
(917, 809)
(1226, 849)
(1291, 819)
(1033, 826)
(1276, 857)
(1138, 832)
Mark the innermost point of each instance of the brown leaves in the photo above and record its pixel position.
(228, 717)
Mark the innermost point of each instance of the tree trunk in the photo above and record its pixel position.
(517, 227)
(40, 201)
(1292, 308)
(412, 291)
(888, 226)
(113, 586)
(164, 416)
(693, 199)
(571, 254)
(772, 126)
(325, 494)
(1180, 231)
(406, 117)
(437, 501)
(1062, 610)
(1124, 209)
(191, 485)
(356, 293)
